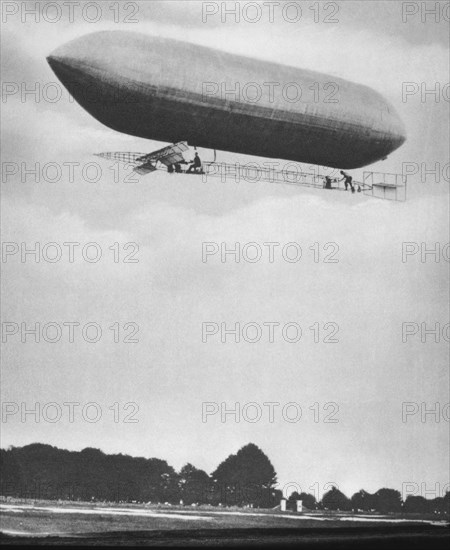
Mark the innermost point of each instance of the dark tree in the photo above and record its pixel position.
(10, 478)
(308, 500)
(194, 485)
(336, 500)
(247, 477)
(363, 501)
(416, 505)
(420, 505)
(44, 472)
(446, 503)
(388, 500)
(441, 505)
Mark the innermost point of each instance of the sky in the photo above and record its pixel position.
(171, 291)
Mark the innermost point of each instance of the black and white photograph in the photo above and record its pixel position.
(225, 273)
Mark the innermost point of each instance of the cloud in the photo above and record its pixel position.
(171, 292)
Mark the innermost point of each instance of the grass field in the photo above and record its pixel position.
(96, 524)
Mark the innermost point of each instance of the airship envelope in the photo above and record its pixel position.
(171, 91)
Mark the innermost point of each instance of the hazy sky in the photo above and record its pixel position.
(170, 292)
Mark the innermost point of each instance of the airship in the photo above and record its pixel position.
(173, 91)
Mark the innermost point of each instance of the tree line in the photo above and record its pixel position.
(384, 501)
(247, 478)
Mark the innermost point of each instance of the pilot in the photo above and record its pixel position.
(347, 181)
(196, 165)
